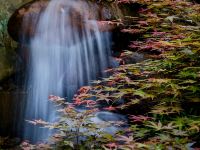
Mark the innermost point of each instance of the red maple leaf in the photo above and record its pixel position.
(54, 98)
(110, 108)
(139, 118)
(84, 89)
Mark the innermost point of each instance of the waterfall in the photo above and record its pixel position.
(66, 52)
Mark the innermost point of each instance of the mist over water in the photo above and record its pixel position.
(67, 51)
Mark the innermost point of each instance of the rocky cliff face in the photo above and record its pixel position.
(8, 56)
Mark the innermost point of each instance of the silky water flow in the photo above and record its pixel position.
(64, 55)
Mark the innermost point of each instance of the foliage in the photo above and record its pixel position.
(8, 143)
(161, 86)
(75, 128)
(5, 40)
(159, 94)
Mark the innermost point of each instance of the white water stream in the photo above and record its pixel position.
(65, 54)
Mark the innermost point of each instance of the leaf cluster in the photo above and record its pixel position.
(159, 95)
(162, 85)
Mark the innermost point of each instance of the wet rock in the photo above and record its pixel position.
(11, 112)
(105, 116)
(31, 12)
(134, 58)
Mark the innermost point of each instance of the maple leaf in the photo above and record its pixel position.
(157, 126)
(69, 108)
(77, 101)
(84, 89)
(27, 146)
(54, 98)
(41, 122)
(169, 126)
(131, 31)
(110, 108)
(108, 70)
(171, 18)
(125, 139)
(96, 82)
(102, 97)
(179, 132)
(32, 122)
(38, 122)
(139, 118)
(110, 89)
(156, 33)
(144, 23)
(90, 103)
(195, 127)
(111, 83)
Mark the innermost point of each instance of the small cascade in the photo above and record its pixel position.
(67, 51)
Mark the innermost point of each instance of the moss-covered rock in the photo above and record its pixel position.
(8, 56)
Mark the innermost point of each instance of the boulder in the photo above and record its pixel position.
(30, 13)
(15, 24)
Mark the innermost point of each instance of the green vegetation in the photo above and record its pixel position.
(8, 57)
(7, 7)
(160, 95)
(75, 128)
(166, 87)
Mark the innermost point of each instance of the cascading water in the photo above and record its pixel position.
(67, 51)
